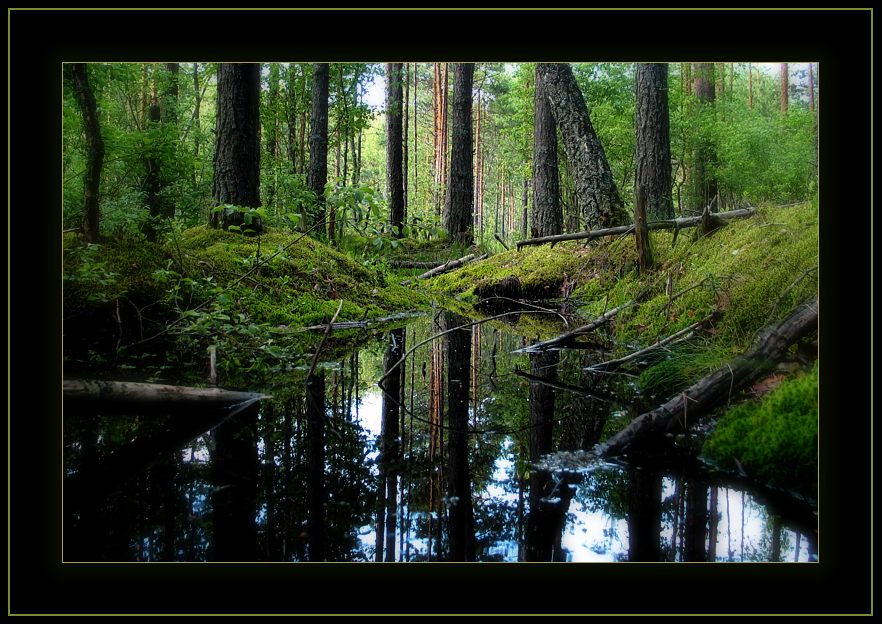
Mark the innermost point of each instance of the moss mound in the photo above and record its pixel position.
(775, 440)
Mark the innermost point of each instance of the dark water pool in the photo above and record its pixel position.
(438, 465)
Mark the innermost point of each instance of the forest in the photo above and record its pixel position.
(392, 312)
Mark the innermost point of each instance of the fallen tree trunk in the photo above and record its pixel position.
(444, 268)
(718, 387)
(413, 264)
(717, 219)
(129, 396)
(573, 334)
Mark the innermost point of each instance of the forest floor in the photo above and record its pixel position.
(128, 303)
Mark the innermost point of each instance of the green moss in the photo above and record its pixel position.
(542, 271)
(302, 284)
(775, 440)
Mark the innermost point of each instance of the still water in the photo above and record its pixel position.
(447, 459)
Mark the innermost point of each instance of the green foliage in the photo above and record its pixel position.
(775, 440)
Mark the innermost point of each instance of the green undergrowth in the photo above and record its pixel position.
(247, 296)
(753, 272)
(774, 440)
(296, 285)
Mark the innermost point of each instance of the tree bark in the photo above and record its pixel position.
(690, 405)
(394, 177)
(596, 191)
(654, 140)
(458, 346)
(785, 87)
(459, 200)
(315, 414)
(152, 183)
(704, 182)
(317, 176)
(237, 148)
(641, 232)
(95, 153)
(547, 216)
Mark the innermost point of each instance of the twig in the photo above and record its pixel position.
(447, 331)
(787, 290)
(321, 343)
(530, 305)
(660, 343)
(502, 242)
(584, 329)
(562, 386)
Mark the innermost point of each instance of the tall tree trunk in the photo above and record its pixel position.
(785, 87)
(458, 204)
(811, 78)
(272, 129)
(152, 184)
(547, 215)
(170, 94)
(596, 190)
(644, 514)
(197, 127)
(750, 85)
(525, 202)
(404, 121)
(654, 140)
(390, 446)
(479, 172)
(237, 148)
(704, 182)
(811, 87)
(394, 161)
(416, 162)
(315, 415)
(95, 150)
(318, 144)
(234, 468)
(459, 486)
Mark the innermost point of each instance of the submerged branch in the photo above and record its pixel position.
(579, 331)
(687, 407)
(664, 341)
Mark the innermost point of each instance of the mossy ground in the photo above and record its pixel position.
(203, 285)
(753, 271)
(774, 440)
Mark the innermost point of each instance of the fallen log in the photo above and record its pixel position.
(413, 264)
(444, 268)
(716, 219)
(718, 387)
(573, 334)
(132, 397)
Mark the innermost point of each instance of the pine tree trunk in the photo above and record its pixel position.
(596, 191)
(394, 179)
(654, 140)
(152, 184)
(749, 85)
(237, 149)
(459, 199)
(317, 176)
(405, 123)
(704, 183)
(785, 87)
(95, 150)
(458, 352)
(547, 216)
